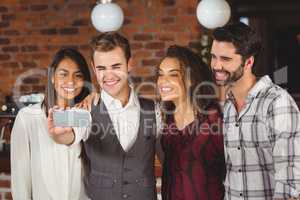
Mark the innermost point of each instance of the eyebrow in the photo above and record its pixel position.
(172, 70)
(67, 71)
(223, 57)
(64, 70)
(114, 65)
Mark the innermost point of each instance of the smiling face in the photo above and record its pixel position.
(111, 69)
(170, 82)
(226, 64)
(68, 81)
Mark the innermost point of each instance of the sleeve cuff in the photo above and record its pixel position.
(285, 191)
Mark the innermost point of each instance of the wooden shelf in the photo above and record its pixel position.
(6, 121)
(4, 162)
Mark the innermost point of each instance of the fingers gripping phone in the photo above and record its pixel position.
(71, 118)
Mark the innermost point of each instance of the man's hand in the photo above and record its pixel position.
(61, 135)
(86, 103)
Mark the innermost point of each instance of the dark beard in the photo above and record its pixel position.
(232, 77)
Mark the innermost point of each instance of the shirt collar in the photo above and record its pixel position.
(263, 83)
(111, 101)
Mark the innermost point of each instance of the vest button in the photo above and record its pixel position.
(125, 196)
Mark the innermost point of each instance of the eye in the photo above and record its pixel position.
(79, 76)
(100, 68)
(226, 59)
(116, 67)
(212, 56)
(174, 74)
(62, 74)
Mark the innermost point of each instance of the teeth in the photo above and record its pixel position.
(220, 75)
(69, 89)
(166, 89)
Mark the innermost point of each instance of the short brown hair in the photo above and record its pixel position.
(109, 41)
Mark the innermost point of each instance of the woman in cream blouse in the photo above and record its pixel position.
(40, 168)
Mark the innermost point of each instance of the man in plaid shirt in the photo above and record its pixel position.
(261, 122)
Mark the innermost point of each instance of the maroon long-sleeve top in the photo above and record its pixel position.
(194, 166)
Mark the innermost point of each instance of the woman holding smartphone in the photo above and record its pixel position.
(40, 168)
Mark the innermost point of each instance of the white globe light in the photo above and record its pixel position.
(107, 17)
(213, 13)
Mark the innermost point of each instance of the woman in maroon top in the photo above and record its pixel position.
(192, 141)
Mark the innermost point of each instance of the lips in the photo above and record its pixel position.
(111, 82)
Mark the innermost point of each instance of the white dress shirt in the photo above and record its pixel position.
(40, 168)
(126, 120)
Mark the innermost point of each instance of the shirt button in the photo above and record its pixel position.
(125, 196)
(237, 124)
(125, 182)
(239, 148)
(240, 170)
(127, 170)
(241, 194)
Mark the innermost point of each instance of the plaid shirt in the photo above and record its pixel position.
(262, 145)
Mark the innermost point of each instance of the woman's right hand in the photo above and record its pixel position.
(61, 135)
(87, 102)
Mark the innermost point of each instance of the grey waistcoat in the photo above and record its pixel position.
(114, 174)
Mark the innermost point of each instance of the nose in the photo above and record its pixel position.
(162, 80)
(107, 74)
(216, 64)
(70, 79)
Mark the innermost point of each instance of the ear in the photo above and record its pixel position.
(129, 65)
(93, 66)
(249, 63)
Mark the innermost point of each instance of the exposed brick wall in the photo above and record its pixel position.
(5, 192)
(31, 31)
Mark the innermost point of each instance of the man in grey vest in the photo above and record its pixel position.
(120, 144)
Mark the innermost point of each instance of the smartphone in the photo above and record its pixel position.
(72, 118)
